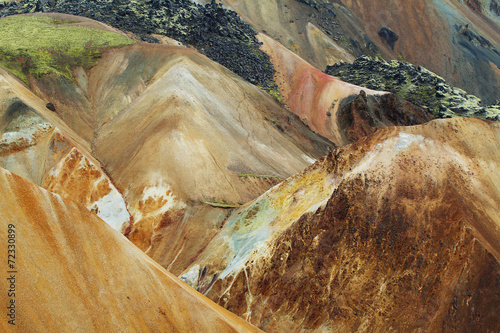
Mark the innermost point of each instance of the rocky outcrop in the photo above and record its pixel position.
(365, 114)
(388, 36)
(415, 84)
(68, 261)
(326, 104)
(396, 231)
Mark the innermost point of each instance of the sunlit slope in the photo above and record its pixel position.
(399, 230)
(178, 129)
(340, 111)
(37, 145)
(74, 273)
(174, 132)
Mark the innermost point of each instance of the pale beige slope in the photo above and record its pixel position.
(179, 129)
(289, 23)
(37, 145)
(76, 274)
(181, 98)
(199, 126)
(399, 230)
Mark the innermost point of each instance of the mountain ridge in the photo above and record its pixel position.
(294, 200)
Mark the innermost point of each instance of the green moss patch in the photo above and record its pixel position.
(416, 85)
(42, 45)
(218, 33)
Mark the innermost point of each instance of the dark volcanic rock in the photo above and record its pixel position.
(51, 107)
(388, 36)
(217, 32)
(416, 85)
(365, 114)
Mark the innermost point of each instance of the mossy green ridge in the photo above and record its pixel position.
(217, 32)
(416, 85)
(42, 45)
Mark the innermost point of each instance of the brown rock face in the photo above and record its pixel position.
(408, 239)
(309, 93)
(365, 114)
(326, 104)
(358, 262)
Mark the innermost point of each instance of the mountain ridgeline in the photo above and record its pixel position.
(217, 32)
(147, 170)
(415, 84)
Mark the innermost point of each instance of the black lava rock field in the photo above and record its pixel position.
(216, 32)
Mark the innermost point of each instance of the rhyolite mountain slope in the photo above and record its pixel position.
(328, 105)
(38, 146)
(458, 40)
(75, 273)
(415, 84)
(397, 231)
(185, 130)
(170, 130)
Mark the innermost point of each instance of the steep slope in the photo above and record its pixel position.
(70, 266)
(454, 39)
(37, 145)
(174, 132)
(230, 127)
(184, 130)
(319, 99)
(445, 36)
(398, 231)
(316, 31)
